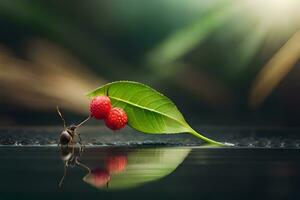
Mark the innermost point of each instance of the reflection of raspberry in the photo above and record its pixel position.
(99, 177)
(116, 163)
(100, 107)
(116, 119)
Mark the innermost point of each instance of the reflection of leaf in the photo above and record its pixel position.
(146, 165)
(148, 111)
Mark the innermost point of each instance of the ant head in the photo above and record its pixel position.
(72, 127)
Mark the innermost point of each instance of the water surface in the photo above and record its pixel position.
(147, 167)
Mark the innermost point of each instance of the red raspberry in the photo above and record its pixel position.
(100, 107)
(98, 178)
(116, 119)
(116, 163)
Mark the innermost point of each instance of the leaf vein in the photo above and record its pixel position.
(155, 111)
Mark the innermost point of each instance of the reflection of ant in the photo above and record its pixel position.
(70, 157)
(68, 134)
(99, 177)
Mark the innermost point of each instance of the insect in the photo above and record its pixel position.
(70, 157)
(67, 136)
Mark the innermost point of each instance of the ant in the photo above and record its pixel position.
(68, 154)
(68, 134)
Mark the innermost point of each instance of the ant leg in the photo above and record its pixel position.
(81, 150)
(80, 142)
(63, 178)
(59, 144)
(78, 134)
(82, 165)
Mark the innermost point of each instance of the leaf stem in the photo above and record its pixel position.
(198, 135)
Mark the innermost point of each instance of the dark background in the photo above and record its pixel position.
(223, 62)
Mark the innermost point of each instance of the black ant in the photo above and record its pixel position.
(68, 155)
(68, 134)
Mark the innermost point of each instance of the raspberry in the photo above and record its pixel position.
(116, 163)
(98, 178)
(116, 119)
(100, 107)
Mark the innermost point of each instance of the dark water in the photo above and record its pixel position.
(116, 170)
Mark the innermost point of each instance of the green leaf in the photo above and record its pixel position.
(148, 111)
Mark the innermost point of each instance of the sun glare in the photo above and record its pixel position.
(275, 11)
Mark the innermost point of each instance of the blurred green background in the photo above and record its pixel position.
(223, 62)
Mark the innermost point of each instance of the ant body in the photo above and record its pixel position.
(67, 136)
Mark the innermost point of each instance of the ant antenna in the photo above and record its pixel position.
(81, 123)
(63, 178)
(79, 140)
(62, 118)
